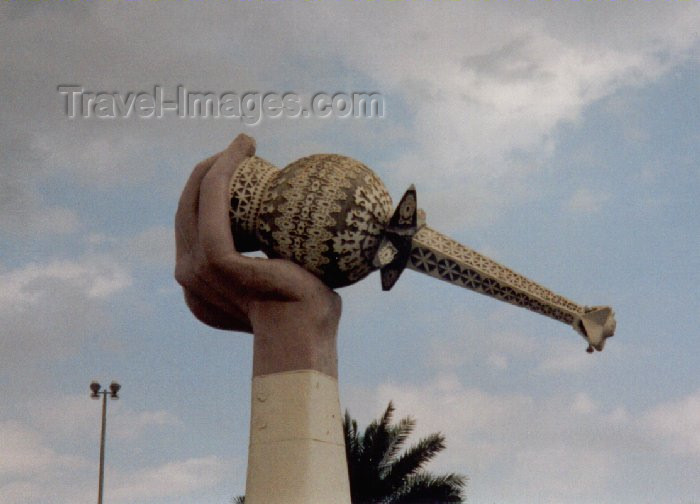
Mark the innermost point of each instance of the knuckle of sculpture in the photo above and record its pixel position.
(325, 310)
(199, 311)
(183, 273)
(182, 212)
(201, 268)
(213, 263)
(201, 164)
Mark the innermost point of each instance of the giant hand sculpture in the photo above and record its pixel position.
(293, 314)
(296, 453)
(332, 215)
(332, 218)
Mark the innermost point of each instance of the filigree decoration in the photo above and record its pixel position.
(327, 213)
(358, 244)
(441, 257)
(248, 185)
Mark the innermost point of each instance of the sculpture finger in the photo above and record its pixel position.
(214, 226)
(229, 271)
(187, 209)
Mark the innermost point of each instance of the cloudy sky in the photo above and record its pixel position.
(559, 137)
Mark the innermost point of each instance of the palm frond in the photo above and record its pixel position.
(377, 440)
(352, 442)
(426, 488)
(413, 460)
(399, 434)
(381, 474)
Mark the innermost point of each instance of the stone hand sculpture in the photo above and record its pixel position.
(296, 453)
(332, 215)
(332, 218)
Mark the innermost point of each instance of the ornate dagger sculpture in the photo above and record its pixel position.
(332, 215)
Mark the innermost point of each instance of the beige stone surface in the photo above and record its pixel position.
(297, 452)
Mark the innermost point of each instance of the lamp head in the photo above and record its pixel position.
(114, 389)
(95, 387)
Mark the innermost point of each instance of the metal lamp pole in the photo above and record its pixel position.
(113, 394)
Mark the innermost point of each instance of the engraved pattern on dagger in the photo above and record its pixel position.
(333, 216)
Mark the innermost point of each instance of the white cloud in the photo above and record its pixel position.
(169, 480)
(565, 356)
(31, 216)
(154, 247)
(94, 277)
(485, 110)
(489, 337)
(473, 339)
(47, 309)
(101, 160)
(50, 456)
(32, 471)
(676, 424)
(587, 201)
(522, 448)
(474, 415)
(544, 449)
(23, 450)
(23, 208)
(498, 361)
(130, 425)
(71, 417)
(482, 113)
(583, 404)
(554, 475)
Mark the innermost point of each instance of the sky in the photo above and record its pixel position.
(559, 137)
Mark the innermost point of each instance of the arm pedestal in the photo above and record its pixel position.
(297, 450)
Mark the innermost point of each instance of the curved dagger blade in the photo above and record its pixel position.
(441, 257)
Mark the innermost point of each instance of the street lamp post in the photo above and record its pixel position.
(113, 393)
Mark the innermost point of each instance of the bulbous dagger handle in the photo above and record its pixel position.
(441, 257)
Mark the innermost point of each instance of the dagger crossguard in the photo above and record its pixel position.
(332, 215)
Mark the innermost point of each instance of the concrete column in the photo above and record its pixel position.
(297, 450)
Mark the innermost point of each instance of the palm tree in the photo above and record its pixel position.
(379, 474)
